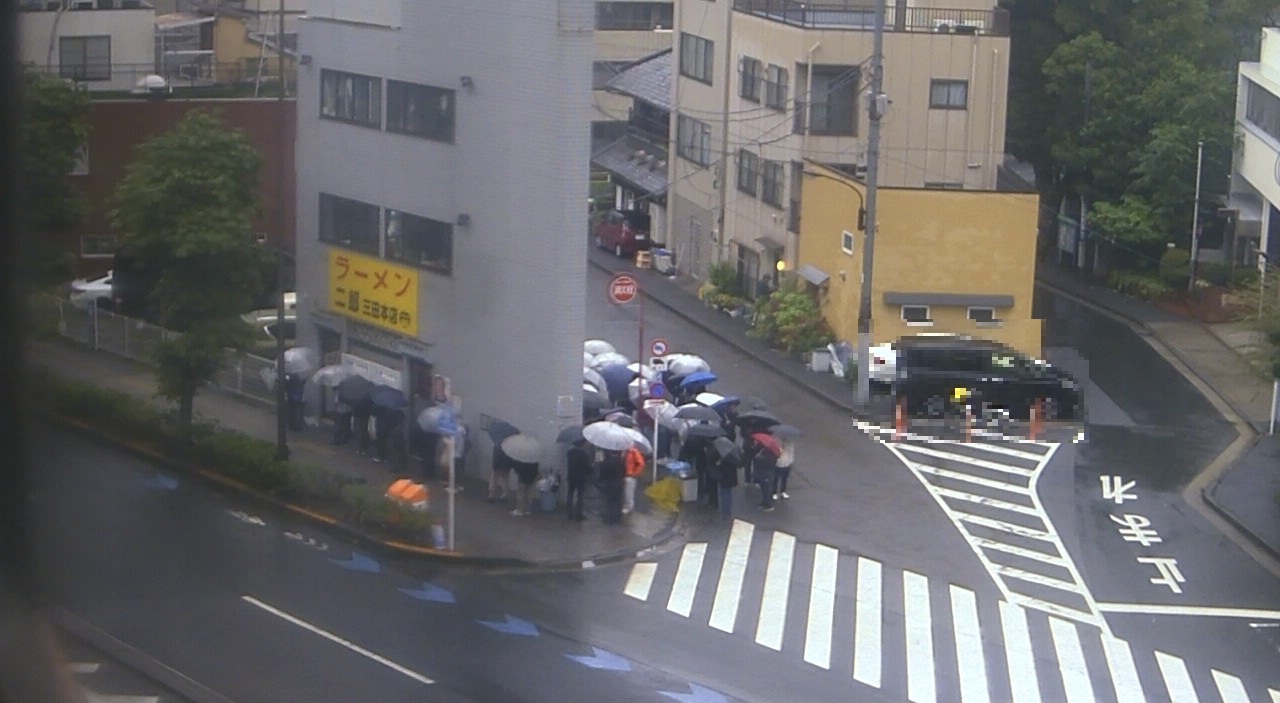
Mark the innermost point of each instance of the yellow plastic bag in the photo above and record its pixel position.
(665, 494)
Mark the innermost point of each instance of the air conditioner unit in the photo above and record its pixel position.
(943, 25)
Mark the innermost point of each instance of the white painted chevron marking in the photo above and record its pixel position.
(984, 500)
(963, 459)
(968, 478)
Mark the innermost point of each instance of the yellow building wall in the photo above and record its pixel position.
(928, 241)
(233, 51)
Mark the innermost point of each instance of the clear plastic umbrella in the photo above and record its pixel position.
(301, 361)
(685, 364)
(600, 361)
(332, 375)
(522, 447)
(593, 377)
(646, 371)
(609, 435)
(708, 398)
(597, 346)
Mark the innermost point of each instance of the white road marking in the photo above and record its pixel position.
(94, 697)
(970, 661)
(1023, 552)
(967, 478)
(984, 500)
(1023, 684)
(919, 630)
(1124, 675)
(1075, 674)
(83, 667)
(867, 624)
(1275, 695)
(1003, 526)
(1230, 687)
(1055, 609)
(1176, 679)
(681, 600)
(777, 588)
(1032, 577)
(822, 605)
(641, 580)
(724, 611)
(964, 459)
(1212, 611)
(1007, 451)
(337, 640)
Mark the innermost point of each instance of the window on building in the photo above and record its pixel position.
(97, 246)
(793, 211)
(771, 175)
(916, 315)
(693, 140)
(751, 74)
(748, 172)
(351, 98)
(84, 58)
(948, 94)
(984, 316)
(846, 242)
(634, 16)
(349, 223)
(603, 71)
(420, 110)
(832, 101)
(775, 87)
(420, 241)
(1262, 109)
(696, 57)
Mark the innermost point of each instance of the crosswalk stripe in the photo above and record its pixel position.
(686, 584)
(1075, 674)
(1275, 695)
(963, 459)
(1230, 687)
(1023, 552)
(1004, 526)
(724, 611)
(967, 478)
(777, 588)
(1176, 679)
(822, 605)
(984, 500)
(919, 630)
(1023, 684)
(1041, 579)
(641, 580)
(866, 625)
(969, 657)
(1124, 675)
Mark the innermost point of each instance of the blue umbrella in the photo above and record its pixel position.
(616, 378)
(388, 397)
(697, 378)
(720, 405)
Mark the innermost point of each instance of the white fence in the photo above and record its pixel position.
(103, 330)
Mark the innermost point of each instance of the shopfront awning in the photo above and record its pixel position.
(812, 274)
(770, 243)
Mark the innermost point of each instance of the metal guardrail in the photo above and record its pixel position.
(860, 15)
(103, 330)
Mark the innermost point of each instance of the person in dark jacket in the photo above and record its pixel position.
(526, 476)
(612, 471)
(725, 472)
(341, 423)
(763, 468)
(294, 386)
(579, 471)
(360, 422)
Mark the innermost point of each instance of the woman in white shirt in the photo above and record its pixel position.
(783, 468)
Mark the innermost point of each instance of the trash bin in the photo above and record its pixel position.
(664, 262)
(678, 468)
(820, 360)
(688, 480)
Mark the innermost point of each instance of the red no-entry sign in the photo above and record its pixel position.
(623, 289)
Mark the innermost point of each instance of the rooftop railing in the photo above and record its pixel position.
(857, 16)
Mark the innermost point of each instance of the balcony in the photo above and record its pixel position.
(849, 15)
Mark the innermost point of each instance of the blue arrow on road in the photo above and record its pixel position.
(700, 694)
(602, 660)
(512, 626)
(431, 593)
(358, 562)
(160, 481)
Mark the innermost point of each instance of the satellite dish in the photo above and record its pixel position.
(151, 84)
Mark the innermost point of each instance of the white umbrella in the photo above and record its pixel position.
(609, 435)
(597, 346)
(646, 371)
(666, 416)
(599, 361)
(707, 398)
(522, 448)
(638, 390)
(593, 377)
(438, 419)
(300, 361)
(587, 357)
(685, 364)
(332, 375)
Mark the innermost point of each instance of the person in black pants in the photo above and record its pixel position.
(579, 470)
(612, 471)
(360, 423)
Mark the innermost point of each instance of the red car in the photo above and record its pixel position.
(624, 232)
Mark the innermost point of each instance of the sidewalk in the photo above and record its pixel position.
(1215, 355)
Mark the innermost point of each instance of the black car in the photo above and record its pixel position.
(991, 376)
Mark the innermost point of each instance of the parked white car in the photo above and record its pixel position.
(85, 291)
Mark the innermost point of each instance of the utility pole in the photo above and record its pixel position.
(1195, 220)
(875, 107)
(282, 400)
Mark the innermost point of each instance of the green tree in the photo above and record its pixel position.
(185, 210)
(55, 127)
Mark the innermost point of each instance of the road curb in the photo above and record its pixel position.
(384, 547)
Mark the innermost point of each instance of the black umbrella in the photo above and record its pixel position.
(355, 390)
(756, 420)
(698, 413)
(725, 447)
(755, 402)
(708, 431)
(569, 435)
(500, 430)
(388, 397)
(785, 431)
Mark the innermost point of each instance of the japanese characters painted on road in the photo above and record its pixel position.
(374, 291)
(623, 289)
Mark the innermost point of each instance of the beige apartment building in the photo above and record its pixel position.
(762, 85)
(626, 31)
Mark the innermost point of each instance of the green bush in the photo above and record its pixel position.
(724, 277)
(245, 459)
(1175, 266)
(1138, 284)
(1214, 272)
(370, 506)
(792, 321)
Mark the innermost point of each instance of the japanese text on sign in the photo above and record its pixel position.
(374, 291)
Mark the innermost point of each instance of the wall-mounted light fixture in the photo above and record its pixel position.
(466, 82)
(464, 220)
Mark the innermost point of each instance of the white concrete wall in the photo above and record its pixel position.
(132, 35)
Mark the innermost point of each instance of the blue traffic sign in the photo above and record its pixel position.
(657, 390)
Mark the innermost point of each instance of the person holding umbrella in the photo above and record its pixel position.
(764, 464)
(633, 467)
(612, 472)
(579, 470)
(786, 435)
(724, 470)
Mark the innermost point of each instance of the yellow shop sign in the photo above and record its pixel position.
(374, 291)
